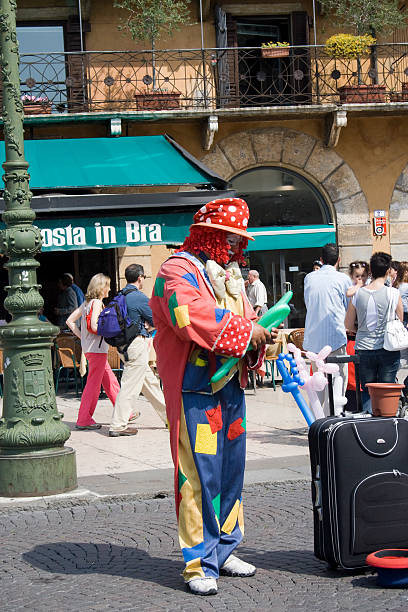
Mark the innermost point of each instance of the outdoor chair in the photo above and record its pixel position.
(270, 370)
(115, 362)
(69, 357)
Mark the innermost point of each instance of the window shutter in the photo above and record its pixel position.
(76, 67)
(227, 61)
(301, 57)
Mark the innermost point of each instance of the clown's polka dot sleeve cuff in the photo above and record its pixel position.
(235, 337)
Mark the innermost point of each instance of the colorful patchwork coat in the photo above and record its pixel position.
(186, 315)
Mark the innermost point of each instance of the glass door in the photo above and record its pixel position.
(282, 271)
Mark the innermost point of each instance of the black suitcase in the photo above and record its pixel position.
(359, 487)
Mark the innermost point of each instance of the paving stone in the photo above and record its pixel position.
(126, 557)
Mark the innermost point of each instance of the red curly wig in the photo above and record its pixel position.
(214, 243)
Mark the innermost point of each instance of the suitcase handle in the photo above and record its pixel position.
(345, 359)
(318, 493)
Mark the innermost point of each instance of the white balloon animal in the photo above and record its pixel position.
(329, 368)
(316, 382)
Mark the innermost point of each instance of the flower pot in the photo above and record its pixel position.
(361, 94)
(157, 101)
(37, 109)
(275, 51)
(400, 97)
(384, 398)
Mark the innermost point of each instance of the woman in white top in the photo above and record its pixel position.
(96, 351)
(371, 306)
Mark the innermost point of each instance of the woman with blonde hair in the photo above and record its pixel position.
(96, 351)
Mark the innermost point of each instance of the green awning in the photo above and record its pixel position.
(294, 237)
(105, 162)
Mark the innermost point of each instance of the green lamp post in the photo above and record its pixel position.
(33, 459)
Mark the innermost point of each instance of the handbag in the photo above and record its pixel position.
(88, 317)
(395, 335)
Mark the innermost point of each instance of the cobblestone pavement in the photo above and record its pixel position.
(124, 555)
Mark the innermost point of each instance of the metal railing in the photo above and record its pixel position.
(192, 79)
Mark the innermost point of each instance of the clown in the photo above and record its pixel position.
(202, 315)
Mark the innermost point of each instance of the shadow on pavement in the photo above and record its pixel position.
(73, 558)
(300, 561)
(297, 437)
(367, 582)
(103, 431)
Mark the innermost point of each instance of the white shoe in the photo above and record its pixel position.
(203, 586)
(236, 567)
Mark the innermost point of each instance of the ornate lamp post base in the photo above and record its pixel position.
(36, 473)
(33, 459)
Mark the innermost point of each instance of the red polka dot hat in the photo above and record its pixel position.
(229, 214)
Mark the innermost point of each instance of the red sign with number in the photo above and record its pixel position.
(380, 226)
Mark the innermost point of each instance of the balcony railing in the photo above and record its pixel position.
(192, 79)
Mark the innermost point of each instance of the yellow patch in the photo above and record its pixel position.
(193, 569)
(190, 510)
(241, 518)
(231, 521)
(182, 315)
(200, 362)
(206, 441)
(218, 523)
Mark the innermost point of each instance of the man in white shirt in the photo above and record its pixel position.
(326, 304)
(256, 293)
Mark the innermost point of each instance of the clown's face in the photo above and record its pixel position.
(233, 241)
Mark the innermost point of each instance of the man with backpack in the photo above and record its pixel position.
(137, 374)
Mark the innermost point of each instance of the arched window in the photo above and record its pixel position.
(280, 197)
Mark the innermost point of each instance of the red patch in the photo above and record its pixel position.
(214, 417)
(235, 429)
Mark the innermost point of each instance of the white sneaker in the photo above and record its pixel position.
(236, 567)
(203, 586)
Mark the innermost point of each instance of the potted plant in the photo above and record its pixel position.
(275, 49)
(402, 96)
(365, 18)
(157, 99)
(348, 46)
(36, 105)
(147, 20)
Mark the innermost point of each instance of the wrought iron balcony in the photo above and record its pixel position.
(192, 79)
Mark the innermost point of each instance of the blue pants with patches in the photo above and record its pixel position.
(212, 448)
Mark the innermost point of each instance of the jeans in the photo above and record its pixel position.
(377, 366)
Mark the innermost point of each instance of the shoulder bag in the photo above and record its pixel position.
(88, 318)
(395, 335)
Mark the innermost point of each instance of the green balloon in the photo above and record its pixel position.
(272, 318)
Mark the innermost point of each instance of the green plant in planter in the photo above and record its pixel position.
(149, 19)
(349, 46)
(364, 17)
(274, 45)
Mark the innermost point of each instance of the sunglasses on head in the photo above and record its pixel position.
(359, 264)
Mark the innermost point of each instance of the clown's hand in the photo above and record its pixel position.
(260, 336)
(274, 331)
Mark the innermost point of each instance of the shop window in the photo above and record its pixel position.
(280, 197)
